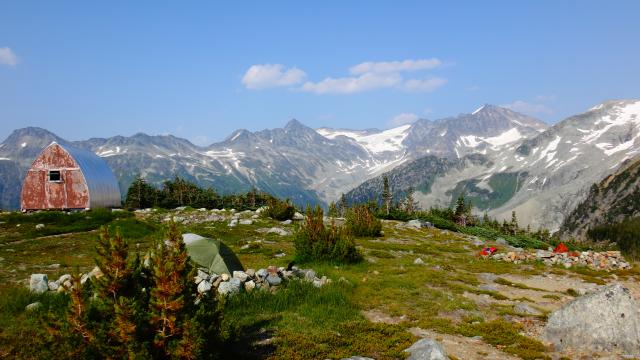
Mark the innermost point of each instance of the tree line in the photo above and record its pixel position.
(180, 192)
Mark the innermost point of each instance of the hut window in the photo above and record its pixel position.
(54, 175)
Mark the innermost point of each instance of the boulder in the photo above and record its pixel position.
(233, 223)
(230, 287)
(274, 279)
(33, 306)
(286, 222)
(298, 216)
(605, 320)
(39, 283)
(249, 285)
(204, 286)
(240, 275)
(246, 222)
(426, 349)
(39, 226)
(417, 224)
(279, 231)
(357, 358)
(418, 261)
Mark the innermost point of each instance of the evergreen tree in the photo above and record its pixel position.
(387, 196)
(140, 195)
(410, 205)
(172, 294)
(461, 207)
(333, 210)
(343, 205)
(514, 223)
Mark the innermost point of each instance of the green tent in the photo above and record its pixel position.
(211, 254)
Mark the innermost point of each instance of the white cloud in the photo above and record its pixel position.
(350, 85)
(271, 75)
(395, 66)
(403, 119)
(364, 77)
(426, 85)
(7, 57)
(529, 107)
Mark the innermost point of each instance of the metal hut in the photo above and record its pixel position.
(64, 178)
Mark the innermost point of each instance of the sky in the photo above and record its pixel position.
(202, 69)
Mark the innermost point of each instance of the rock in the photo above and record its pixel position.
(230, 287)
(240, 275)
(357, 358)
(488, 287)
(274, 279)
(246, 222)
(33, 306)
(309, 274)
(279, 231)
(418, 261)
(286, 222)
(522, 308)
(249, 285)
(202, 275)
(280, 254)
(53, 285)
(298, 216)
(262, 273)
(501, 241)
(225, 277)
(488, 277)
(426, 349)
(416, 224)
(204, 286)
(250, 272)
(233, 223)
(607, 320)
(39, 226)
(39, 283)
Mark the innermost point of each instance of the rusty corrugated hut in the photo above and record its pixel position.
(63, 177)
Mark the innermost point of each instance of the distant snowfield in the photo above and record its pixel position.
(387, 140)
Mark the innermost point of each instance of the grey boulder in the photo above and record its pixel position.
(39, 283)
(604, 320)
(426, 349)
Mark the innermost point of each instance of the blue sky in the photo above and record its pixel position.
(200, 70)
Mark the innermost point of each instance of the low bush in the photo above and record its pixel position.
(314, 241)
(360, 221)
(280, 210)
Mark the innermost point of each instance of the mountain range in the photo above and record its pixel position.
(502, 159)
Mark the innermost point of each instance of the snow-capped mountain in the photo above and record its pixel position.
(542, 177)
(296, 161)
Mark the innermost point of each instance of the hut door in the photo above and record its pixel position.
(55, 189)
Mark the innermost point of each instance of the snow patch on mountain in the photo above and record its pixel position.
(377, 142)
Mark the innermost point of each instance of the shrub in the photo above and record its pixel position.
(314, 241)
(280, 210)
(133, 311)
(360, 221)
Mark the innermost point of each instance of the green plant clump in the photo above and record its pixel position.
(361, 221)
(280, 210)
(314, 241)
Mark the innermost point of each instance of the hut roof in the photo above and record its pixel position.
(102, 183)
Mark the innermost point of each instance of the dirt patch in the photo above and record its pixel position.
(463, 347)
(377, 316)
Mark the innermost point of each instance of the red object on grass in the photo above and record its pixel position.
(561, 248)
(488, 251)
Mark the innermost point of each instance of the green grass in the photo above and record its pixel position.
(19, 226)
(298, 321)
